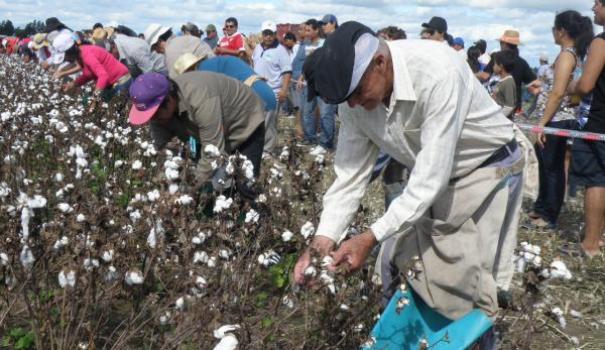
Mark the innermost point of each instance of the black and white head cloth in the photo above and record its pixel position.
(334, 70)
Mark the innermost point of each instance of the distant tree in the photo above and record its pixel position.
(7, 28)
(30, 29)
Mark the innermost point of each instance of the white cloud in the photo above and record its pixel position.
(470, 19)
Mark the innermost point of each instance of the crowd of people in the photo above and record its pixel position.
(431, 117)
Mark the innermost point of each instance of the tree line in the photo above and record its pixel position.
(7, 28)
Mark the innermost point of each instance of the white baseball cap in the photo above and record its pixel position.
(268, 25)
(154, 32)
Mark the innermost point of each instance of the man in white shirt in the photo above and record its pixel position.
(545, 71)
(419, 101)
(273, 63)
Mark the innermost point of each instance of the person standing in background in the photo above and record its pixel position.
(211, 36)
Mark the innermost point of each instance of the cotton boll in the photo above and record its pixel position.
(67, 279)
(4, 190)
(248, 169)
(184, 200)
(137, 164)
(156, 233)
(173, 188)
(65, 208)
(171, 174)
(134, 278)
(37, 202)
(224, 254)
(199, 239)
(328, 281)
(222, 331)
(575, 314)
(287, 236)
(326, 261)
(200, 257)
(59, 177)
(212, 151)
(90, 264)
(180, 304)
(112, 274)
(307, 229)
(60, 243)
(288, 302)
(201, 282)
(3, 259)
(211, 262)
(558, 269)
(251, 216)
(165, 318)
(26, 257)
(135, 215)
(107, 256)
(153, 195)
(310, 271)
(222, 203)
(262, 198)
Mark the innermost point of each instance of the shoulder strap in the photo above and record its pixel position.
(573, 52)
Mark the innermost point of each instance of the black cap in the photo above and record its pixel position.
(481, 45)
(437, 23)
(329, 69)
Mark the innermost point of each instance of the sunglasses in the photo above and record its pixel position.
(230, 26)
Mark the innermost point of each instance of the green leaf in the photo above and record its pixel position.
(25, 342)
(266, 322)
(16, 333)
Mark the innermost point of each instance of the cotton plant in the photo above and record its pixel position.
(102, 212)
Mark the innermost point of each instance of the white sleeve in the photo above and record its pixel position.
(353, 164)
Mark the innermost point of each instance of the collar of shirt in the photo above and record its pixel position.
(403, 90)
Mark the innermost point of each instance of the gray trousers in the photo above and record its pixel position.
(465, 242)
(271, 131)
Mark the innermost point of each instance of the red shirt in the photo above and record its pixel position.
(12, 46)
(233, 42)
(99, 64)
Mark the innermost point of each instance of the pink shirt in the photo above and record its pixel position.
(99, 64)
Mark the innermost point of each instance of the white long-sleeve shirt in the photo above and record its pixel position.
(441, 123)
(135, 51)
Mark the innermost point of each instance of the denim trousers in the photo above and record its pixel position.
(327, 114)
(551, 163)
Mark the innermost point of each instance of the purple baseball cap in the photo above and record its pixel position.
(147, 93)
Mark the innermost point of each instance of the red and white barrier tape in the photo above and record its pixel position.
(590, 136)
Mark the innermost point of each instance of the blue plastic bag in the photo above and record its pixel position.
(409, 324)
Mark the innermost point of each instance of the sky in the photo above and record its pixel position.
(469, 19)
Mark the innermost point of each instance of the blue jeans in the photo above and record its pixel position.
(551, 165)
(327, 121)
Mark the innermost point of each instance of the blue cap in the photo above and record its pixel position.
(459, 41)
(329, 19)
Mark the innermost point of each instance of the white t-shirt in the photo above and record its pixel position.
(272, 64)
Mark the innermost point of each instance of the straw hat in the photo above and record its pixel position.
(511, 36)
(186, 61)
(110, 31)
(99, 34)
(39, 41)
